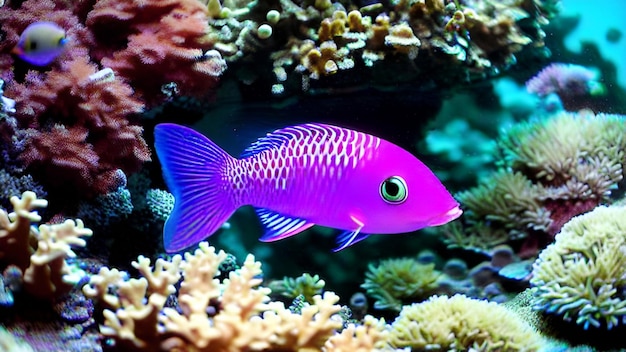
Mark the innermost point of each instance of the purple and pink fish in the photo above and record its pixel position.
(297, 177)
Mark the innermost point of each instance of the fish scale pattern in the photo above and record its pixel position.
(296, 161)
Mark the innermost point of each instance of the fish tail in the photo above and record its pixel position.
(192, 168)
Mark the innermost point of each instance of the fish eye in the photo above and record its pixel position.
(393, 190)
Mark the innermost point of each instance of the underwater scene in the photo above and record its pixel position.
(312, 175)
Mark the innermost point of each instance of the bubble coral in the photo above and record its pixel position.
(582, 275)
(459, 323)
(551, 169)
(394, 281)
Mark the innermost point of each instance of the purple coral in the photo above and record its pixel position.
(570, 82)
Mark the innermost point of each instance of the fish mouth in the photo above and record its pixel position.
(446, 217)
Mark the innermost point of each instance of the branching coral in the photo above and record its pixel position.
(234, 314)
(394, 282)
(76, 118)
(582, 275)
(459, 323)
(91, 137)
(551, 170)
(39, 253)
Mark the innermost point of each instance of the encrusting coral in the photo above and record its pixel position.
(582, 275)
(234, 314)
(459, 323)
(551, 169)
(39, 253)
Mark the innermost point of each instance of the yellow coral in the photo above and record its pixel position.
(15, 230)
(460, 323)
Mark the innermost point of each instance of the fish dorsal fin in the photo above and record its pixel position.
(279, 226)
(281, 136)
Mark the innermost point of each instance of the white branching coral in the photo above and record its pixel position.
(233, 314)
(39, 252)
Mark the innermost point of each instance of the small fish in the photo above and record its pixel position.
(297, 177)
(40, 43)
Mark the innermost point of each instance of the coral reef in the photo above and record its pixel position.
(39, 253)
(459, 323)
(75, 119)
(375, 43)
(233, 314)
(551, 169)
(582, 275)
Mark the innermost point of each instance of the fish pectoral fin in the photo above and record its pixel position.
(278, 226)
(349, 238)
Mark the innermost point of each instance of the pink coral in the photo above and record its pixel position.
(79, 118)
(91, 137)
(164, 41)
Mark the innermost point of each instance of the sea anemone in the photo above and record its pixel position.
(582, 275)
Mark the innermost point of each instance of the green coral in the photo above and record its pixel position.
(459, 323)
(395, 281)
(550, 170)
(582, 275)
(304, 285)
(160, 203)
